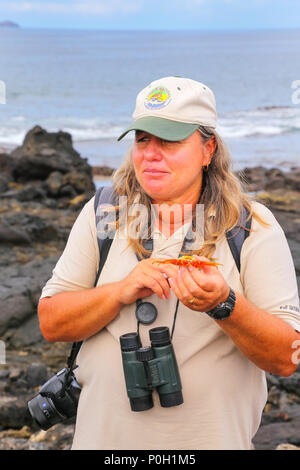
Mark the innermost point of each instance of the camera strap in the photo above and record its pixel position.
(73, 354)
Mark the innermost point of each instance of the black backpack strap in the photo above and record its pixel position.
(103, 195)
(238, 235)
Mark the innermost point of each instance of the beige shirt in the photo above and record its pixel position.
(224, 393)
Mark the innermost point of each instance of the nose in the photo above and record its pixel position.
(152, 151)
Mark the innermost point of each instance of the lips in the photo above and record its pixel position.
(154, 171)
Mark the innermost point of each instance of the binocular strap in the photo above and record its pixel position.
(174, 320)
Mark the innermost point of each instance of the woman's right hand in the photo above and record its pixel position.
(144, 280)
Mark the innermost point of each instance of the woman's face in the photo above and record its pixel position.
(171, 172)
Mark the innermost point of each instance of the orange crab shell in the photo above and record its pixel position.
(187, 261)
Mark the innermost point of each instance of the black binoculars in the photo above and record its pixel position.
(147, 368)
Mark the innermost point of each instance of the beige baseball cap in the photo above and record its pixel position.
(172, 108)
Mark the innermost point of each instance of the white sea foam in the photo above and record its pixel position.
(13, 130)
(96, 138)
(11, 137)
(94, 133)
(269, 121)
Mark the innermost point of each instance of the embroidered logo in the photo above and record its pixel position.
(158, 98)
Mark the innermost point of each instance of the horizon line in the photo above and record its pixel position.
(75, 28)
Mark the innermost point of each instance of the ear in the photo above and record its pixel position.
(209, 150)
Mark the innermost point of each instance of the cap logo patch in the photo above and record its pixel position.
(158, 98)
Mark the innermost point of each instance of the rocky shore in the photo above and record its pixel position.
(43, 185)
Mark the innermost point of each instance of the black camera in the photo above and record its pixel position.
(57, 400)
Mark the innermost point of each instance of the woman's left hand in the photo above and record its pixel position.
(200, 290)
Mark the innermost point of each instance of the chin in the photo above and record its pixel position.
(154, 188)
(157, 192)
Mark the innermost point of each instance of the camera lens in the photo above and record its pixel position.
(160, 336)
(44, 412)
(57, 400)
(130, 342)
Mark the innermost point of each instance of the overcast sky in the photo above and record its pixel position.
(154, 14)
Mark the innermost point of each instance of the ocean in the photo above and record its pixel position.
(85, 83)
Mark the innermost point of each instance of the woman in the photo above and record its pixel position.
(177, 160)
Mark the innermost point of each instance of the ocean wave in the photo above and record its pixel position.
(81, 135)
(265, 121)
(13, 130)
(10, 137)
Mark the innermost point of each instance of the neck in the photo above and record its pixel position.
(173, 214)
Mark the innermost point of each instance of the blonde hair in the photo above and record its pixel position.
(222, 196)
